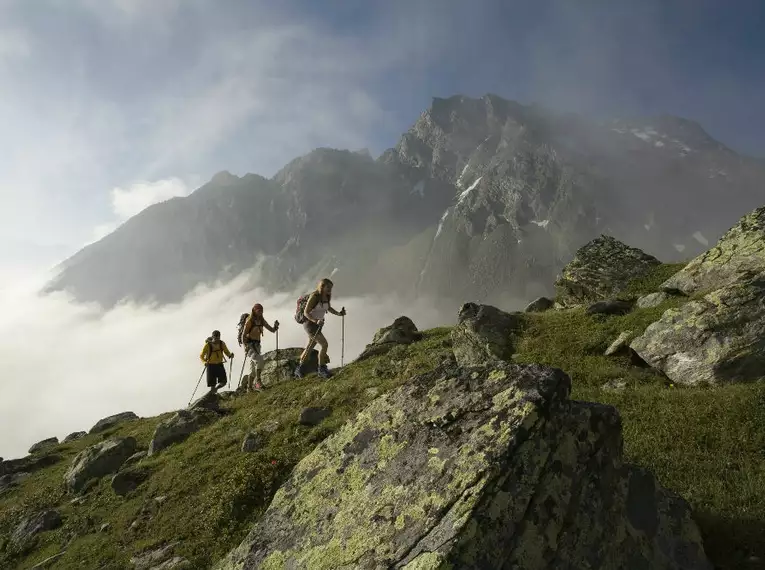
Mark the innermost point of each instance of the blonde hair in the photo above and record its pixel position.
(323, 283)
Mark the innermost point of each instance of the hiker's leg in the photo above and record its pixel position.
(322, 342)
(210, 369)
(222, 377)
(253, 366)
(260, 364)
(311, 329)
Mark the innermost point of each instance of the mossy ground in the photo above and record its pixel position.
(213, 491)
(707, 444)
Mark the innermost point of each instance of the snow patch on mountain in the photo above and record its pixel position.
(441, 224)
(472, 187)
(462, 174)
(542, 224)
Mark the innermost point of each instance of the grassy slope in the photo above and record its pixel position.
(707, 444)
(213, 490)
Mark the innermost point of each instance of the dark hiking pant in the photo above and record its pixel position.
(216, 373)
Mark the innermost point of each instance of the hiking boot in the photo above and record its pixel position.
(298, 371)
(324, 371)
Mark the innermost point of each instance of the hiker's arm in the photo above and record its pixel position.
(202, 354)
(226, 350)
(269, 327)
(313, 300)
(332, 310)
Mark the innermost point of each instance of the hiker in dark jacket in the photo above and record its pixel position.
(212, 356)
(251, 338)
(318, 305)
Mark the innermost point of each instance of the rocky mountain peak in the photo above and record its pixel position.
(223, 178)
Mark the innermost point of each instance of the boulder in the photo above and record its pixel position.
(98, 460)
(739, 255)
(401, 331)
(28, 464)
(719, 338)
(208, 401)
(11, 480)
(252, 442)
(74, 436)
(610, 307)
(484, 332)
(539, 305)
(126, 480)
(178, 427)
(25, 534)
(474, 468)
(621, 343)
(133, 459)
(314, 416)
(43, 445)
(281, 367)
(111, 421)
(652, 300)
(601, 269)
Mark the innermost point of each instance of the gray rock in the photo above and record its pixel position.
(208, 401)
(717, 339)
(48, 562)
(74, 436)
(652, 300)
(111, 421)
(252, 441)
(610, 307)
(153, 558)
(615, 385)
(134, 459)
(621, 342)
(29, 464)
(127, 480)
(474, 468)
(280, 367)
(98, 460)
(178, 427)
(484, 333)
(601, 269)
(314, 416)
(539, 305)
(43, 445)
(25, 534)
(401, 332)
(11, 480)
(739, 255)
(104, 527)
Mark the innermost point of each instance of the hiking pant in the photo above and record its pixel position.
(216, 373)
(256, 359)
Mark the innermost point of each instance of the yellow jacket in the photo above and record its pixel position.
(217, 352)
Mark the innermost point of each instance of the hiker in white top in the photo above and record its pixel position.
(318, 305)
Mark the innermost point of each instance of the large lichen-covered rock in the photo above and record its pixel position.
(401, 331)
(738, 255)
(719, 338)
(111, 421)
(28, 464)
(43, 445)
(473, 468)
(483, 333)
(601, 269)
(96, 461)
(25, 534)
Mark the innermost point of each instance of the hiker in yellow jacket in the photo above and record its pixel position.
(212, 356)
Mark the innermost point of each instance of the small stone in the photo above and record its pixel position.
(251, 443)
(615, 385)
(651, 300)
(104, 527)
(161, 499)
(269, 427)
(621, 342)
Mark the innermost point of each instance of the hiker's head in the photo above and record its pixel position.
(257, 309)
(216, 336)
(325, 287)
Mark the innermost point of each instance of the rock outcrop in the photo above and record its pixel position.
(484, 332)
(738, 256)
(25, 534)
(43, 445)
(539, 305)
(111, 421)
(717, 339)
(474, 468)
(28, 464)
(99, 460)
(600, 270)
(178, 427)
(651, 300)
(281, 367)
(126, 480)
(401, 331)
(74, 436)
(719, 336)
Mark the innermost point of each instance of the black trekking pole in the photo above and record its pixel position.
(198, 381)
(244, 361)
(342, 338)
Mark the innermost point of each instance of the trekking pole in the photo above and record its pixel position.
(244, 361)
(198, 381)
(279, 373)
(230, 368)
(342, 338)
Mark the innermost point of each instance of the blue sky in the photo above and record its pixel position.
(110, 105)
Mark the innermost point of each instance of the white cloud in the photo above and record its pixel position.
(14, 44)
(140, 358)
(129, 201)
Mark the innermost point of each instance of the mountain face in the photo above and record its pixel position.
(482, 198)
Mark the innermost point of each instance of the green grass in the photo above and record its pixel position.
(213, 490)
(651, 281)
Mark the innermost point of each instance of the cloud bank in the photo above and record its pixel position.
(67, 365)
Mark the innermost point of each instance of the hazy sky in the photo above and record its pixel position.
(109, 105)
